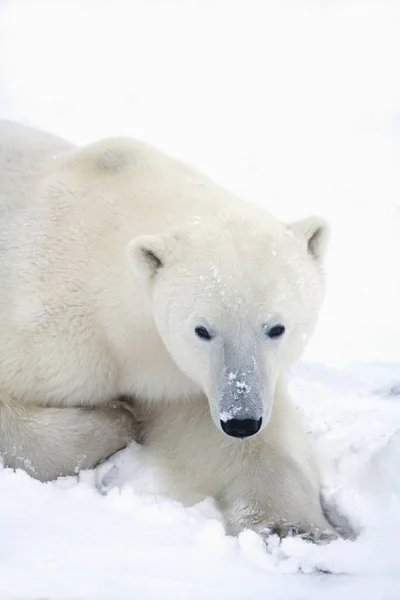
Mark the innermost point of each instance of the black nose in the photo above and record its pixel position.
(241, 428)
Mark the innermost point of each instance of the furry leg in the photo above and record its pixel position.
(48, 442)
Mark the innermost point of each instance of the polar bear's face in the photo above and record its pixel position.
(234, 305)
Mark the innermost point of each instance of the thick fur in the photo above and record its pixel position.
(110, 256)
(48, 441)
(269, 482)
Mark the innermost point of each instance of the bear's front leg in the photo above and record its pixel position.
(277, 484)
(268, 482)
(276, 496)
(51, 441)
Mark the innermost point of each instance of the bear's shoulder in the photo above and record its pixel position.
(110, 156)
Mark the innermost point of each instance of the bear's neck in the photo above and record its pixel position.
(144, 365)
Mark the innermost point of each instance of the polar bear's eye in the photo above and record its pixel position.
(276, 331)
(203, 333)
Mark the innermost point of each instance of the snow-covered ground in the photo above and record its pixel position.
(296, 105)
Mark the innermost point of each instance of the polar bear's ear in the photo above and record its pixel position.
(147, 254)
(316, 233)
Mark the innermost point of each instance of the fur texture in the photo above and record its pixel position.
(111, 259)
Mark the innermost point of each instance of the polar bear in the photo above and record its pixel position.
(125, 274)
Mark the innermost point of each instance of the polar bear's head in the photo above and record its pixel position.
(235, 301)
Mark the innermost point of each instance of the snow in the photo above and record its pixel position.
(294, 105)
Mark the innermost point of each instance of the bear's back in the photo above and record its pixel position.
(25, 155)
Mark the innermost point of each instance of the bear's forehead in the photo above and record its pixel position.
(245, 245)
(236, 291)
(256, 271)
(228, 269)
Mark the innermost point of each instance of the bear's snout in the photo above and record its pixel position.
(241, 428)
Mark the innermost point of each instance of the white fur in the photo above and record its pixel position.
(111, 256)
(269, 480)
